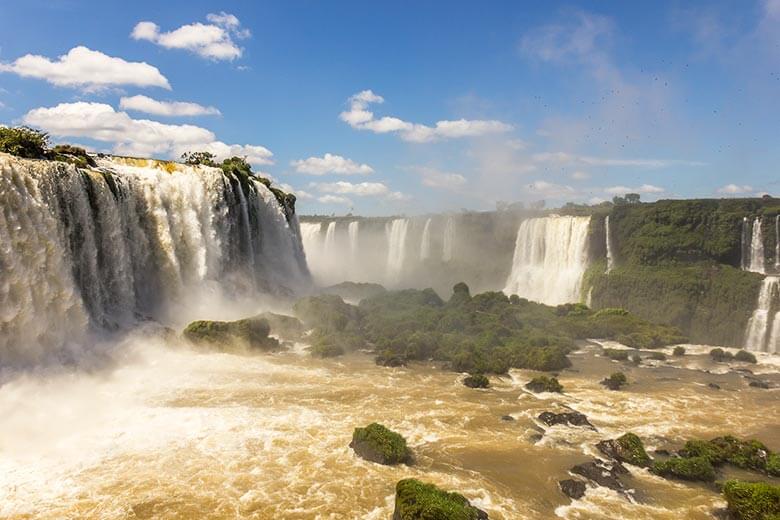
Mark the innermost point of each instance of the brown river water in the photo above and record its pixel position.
(173, 434)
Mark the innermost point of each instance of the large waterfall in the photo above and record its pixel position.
(396, 247)
(753, 246)
(610, 254)
(763, 329)
(100, 248)
(551, 255)
(448, 240)
(425, 241)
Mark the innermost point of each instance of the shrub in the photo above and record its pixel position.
(686, 468)
(615, 381)
(476, 381)
(752, 500)
(23, 141)
(745, 356)
(720, 356)
(415, 500)
(678, 351)
(658, 356)
(204, 158)
(616, 354)
(544, 384)
(377, 443)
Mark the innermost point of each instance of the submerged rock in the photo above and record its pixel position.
(627, 448)
(572, 488)
(476, 381)
(603, 473)
(250, 333)
(416, 500)
(570, 418)
(507, 418)
(757, 383)
(713, 386)
(377, 443)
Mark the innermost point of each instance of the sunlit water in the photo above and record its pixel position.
(170, 433)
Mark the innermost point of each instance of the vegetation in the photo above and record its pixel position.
(476, 381)
(752, 500)
(416, 500)
(195, 158)
(685, 468)
(615, 381)
(658, 356)
(249, 333)
(615, 354)
(678, 351)
(544, 384)
(377, 443)
(745, 357)
(747, 454)
(23, 141)
(720, 356)
(626, 448)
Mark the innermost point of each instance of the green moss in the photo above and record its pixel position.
(415, 500)
(747, 454)
(250, 333)
(752, 500)
(544, 384)
(685, 468)
(377, 443)
(476, 381)
(632, 450)
(773, 464)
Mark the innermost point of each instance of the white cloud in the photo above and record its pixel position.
(330, 163)
(645, 188)
(578, 39)
(213, 41)
(84, 68)
(358, 116)
(580, 175)
(733, 189)
(165, 108)
(142, 137)
(438, 179)
(361, 189)
(567, 158)
(334, 199)
(551, 190)
(301, 194)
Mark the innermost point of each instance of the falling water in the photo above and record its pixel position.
(777, 243)
(352, 230)
(449, 238)
(425, 241)
(753, 255)
(396, 248)
(762, 335)
(329, 246)
(610, 256)
(100, 248)
(551, 255)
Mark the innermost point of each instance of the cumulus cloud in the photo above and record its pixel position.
(360, 189)
(330, 163)
(165, 108)
(84, 68)
(735, 189)
(214, 41)
(644, 188)
(142, 137)
(360, 117)
(551, 190)
(334, 199)
(580, 175)
(434, 178)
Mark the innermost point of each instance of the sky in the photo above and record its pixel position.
(380, 108)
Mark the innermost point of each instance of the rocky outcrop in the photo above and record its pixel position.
(602, 473)
(573, 488)
(247, 334)
(627, 448)
(566, 418)
(416, 500)
(379, 444)
(476, 381)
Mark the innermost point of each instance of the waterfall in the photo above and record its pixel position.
(425, 241)
(753, 251)
(449, 238)
(396, 248)
(777, 243)
(551, 255)
(86, 249)
(352, 230)
(329, 246)
(610, 256)
(762, 335)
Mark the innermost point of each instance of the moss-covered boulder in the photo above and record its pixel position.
(773, 464)
(476, 381)
(626, 448)
(657, 356)
(745, 357)
(752, 500)
(544, 384)
(416, 500)
(678, 351)
(246, 334)
(286, 327)
(615, 381)
(377, 443)
(719, 355)
(747, 454)
(685, 468)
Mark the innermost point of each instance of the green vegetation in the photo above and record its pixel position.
(476, 381)
(752, 500)
(354, 291)
(377, 443)
(23, 141)
(626, 448)
(195, 158)
(685, 468)
(745, 357)
(283, 326)
(416, 500)
(544, 384)
(615, 354)
(658, 356)
(615, 381)
(72, 154)
(748, 454)
(485, 333)
(773, 464)
(678, 351)
(251, 333)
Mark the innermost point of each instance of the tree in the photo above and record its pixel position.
(632, 198)
(24, 141)
(204, 158)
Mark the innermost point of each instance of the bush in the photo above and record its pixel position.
(745, 357)
(615, 381)
(544, 384)
(377, 443)
(658, 356)
(686, 468)
(616, 354)
(752, 500)
(678, 351)
(720, 356)
(204, 158)
(415, 500)
(23, 141)
(476, 381)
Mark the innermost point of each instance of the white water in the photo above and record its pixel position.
(329, 247)
(353, 230)
(100, 248)
(777, 243)
(396, 248)
(425, 241)
(551, 255)
(448, 240)
(755, 249)
(610, 256)
(762, 334)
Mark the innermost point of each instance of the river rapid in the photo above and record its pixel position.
(168, 433)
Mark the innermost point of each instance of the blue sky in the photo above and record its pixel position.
(410, 107)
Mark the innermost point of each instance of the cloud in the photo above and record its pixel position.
(580, 175)
(360, 189)
(551, 190)
(567, 158)
(578, 39)
(645, 188)
(438, 179)
(213, 41)
(84, 68)
(330, 163)
(141, 137)
(334, 199)
(165, 108)
(734, 189)
(358, 116)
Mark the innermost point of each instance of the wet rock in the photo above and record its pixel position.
(572, 488)
(250, 333)
(507, 418)
(535, 437)
(714, 386)
(416, 500)
(627, 448)
(743, 370)
(476, 381)
(570, 418)
(390, 361)
(757, 383)
(603, 473)
(375, 443)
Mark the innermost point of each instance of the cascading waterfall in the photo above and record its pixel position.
(753, 250)
(396, 248)
(763, 329)
(777, 243)
(610, 256)
(425, 241)
(353, 230)
(551, 255)
(99, 248)
(329, 246)
(448, 240)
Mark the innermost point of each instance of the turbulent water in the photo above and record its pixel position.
(551, 255)
(130, 239)
(175, 434)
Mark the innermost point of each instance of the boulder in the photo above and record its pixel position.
(247, 334)
(572, 488)
(476, 381)
(685, 468)
(615, 381)
(416, 500)
(376, 443)
(602, 473)
(627, 448)
(286, 327)
(570, 418)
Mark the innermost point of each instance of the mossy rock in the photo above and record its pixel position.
(286, 327)
(416, 500)
(752, 500)
(544, 384)
(249, 333)
(685, 468)
(745, 357)
(626, 448)
(719, 355)
(476, 381)
(377, 443)
(748, 454)
(615, 381)
(326, 350)
(773, 464)
(678, 351)
(658, 356)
